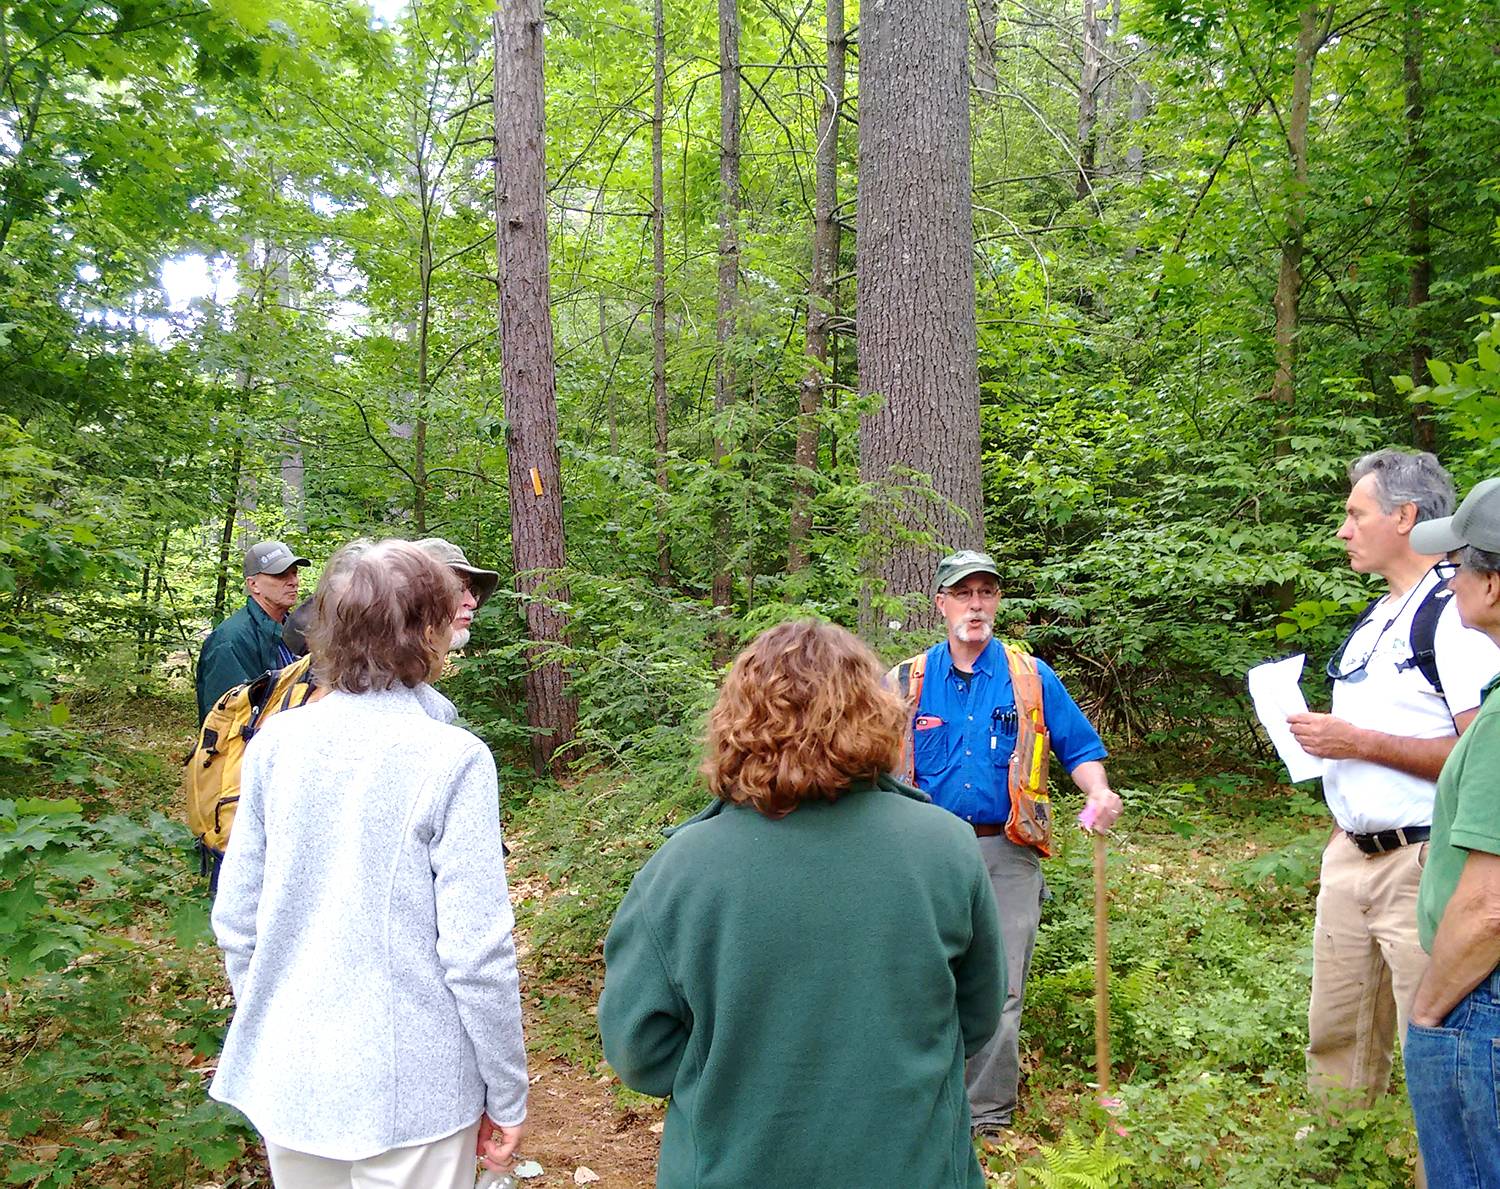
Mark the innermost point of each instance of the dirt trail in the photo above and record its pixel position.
(572, 1122)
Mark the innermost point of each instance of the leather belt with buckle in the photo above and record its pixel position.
(1385, 840)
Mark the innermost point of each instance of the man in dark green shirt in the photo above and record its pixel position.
(249, 642)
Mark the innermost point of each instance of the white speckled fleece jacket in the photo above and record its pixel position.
(366, 928)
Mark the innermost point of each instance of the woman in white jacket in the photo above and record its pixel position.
(363, 912)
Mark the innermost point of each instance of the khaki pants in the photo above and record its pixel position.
(1367, 963)
(447, 1163)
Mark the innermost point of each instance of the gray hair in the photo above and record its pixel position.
(1403, 478)
(1481, 561)
(337, 568)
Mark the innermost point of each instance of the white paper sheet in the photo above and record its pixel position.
(1276, 693)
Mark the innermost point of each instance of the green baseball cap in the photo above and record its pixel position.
(271, 557)
(958, 566)
(481, 582)
(1476, 523)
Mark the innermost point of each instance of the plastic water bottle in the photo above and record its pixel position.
(490, 1179)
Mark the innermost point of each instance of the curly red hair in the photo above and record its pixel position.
(802, 715)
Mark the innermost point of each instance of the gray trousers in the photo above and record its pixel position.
(993, 1073)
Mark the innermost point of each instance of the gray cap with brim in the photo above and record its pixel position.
(271, 557)
(958, 566)
(1476, 523)
(481, 582)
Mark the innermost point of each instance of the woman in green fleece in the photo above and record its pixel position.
(805, 966)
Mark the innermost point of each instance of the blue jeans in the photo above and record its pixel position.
(1453, 1079)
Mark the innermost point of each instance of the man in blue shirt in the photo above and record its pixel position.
(964, 730)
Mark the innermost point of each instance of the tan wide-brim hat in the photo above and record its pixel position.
(481, 582)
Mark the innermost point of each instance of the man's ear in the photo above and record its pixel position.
(1406, 518)
(1492, 589)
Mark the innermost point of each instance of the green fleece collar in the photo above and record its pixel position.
(885, 784)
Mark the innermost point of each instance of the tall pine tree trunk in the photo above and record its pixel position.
(915, 287)
(725, 380)
(825, 259)
(527, 365)
(659, 287)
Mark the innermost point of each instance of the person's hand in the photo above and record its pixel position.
(1101, 810)
(1325, 736)
(497, 1145)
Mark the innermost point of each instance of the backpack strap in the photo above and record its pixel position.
(1424, 635)
(302, 688)
(906, 680)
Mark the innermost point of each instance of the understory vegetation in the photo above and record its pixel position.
(117, 1003)
(248, 289)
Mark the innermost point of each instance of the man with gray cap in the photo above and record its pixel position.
(1402, 694)
(1454, 1033)
(972, 704)
(249, 642)
(479, 584)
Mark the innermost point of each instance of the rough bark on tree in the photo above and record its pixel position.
(825, 258)
(659, 287)
(915, 287)
(725, 381)
(527, 365)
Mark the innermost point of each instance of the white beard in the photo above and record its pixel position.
(460, 640)
(973, 635)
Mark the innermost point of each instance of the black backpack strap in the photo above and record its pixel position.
(1424, 635)
(903, 679)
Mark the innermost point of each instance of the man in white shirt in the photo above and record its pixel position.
(1391, 729)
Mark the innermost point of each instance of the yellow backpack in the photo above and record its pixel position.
(1030, 819)
(211, 779)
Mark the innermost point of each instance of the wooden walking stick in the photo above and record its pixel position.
(1101, 966)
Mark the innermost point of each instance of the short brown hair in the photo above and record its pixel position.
(802, 715)
(379, 610)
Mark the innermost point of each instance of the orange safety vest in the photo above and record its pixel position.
(1030, 820)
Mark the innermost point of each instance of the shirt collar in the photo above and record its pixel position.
(939, 665)
(422, 699)
(265, 622)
